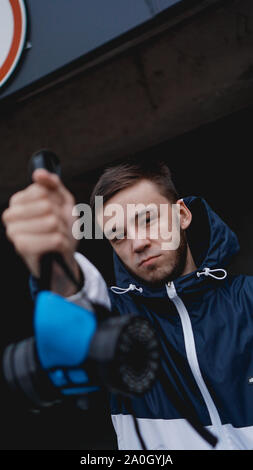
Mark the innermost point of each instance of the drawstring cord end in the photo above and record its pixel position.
(121, 290)
(208, 272)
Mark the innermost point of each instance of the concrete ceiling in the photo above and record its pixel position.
(188, 75)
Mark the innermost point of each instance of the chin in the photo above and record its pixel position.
(154, 277)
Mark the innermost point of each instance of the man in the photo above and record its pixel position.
(203, 316)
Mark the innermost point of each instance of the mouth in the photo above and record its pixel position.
(148, 261)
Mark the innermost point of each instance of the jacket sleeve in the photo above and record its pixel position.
(94, 285)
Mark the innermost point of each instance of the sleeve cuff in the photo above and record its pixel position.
(94, 287)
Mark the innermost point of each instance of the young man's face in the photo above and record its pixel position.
(140, 251)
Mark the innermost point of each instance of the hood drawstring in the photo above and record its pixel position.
(208, 272)
(205, 272)
(121, 290)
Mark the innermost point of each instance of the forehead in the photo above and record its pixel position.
(144, 191)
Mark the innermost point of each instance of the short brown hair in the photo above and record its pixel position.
(121, 176)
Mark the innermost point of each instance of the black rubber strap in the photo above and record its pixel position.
(46, 264)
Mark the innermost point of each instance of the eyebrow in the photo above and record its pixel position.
(120, 230)
(141, 213)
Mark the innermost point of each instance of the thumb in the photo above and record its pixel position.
(45, 178)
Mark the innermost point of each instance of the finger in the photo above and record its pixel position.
(29, 210)
(31, 193)
(36, 244)
(35, 193)
(53, 182)
(45, 178)
(49, 224)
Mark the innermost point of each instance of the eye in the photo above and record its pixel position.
(148, 217)
(118, 238)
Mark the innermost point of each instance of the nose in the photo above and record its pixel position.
(138, 245)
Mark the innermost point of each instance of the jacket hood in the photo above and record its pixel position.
(212, 244)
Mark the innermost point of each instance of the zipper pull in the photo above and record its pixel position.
(171, 290)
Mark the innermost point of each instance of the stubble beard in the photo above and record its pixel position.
(180, 260)
(176, 271)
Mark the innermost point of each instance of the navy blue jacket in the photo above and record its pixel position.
(205, 323)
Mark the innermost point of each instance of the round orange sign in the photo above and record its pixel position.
(12, 36)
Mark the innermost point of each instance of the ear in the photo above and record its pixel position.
(185, 215)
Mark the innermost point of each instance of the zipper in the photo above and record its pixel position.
(193, 362)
